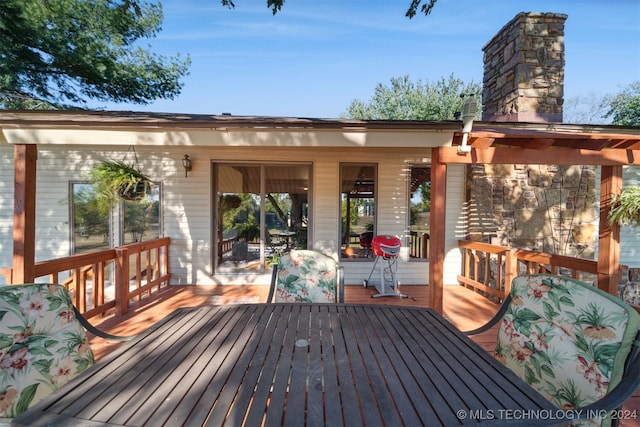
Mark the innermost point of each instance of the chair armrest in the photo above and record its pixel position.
(97, 332)
(341, 284)
(272, 287)
(495, 319)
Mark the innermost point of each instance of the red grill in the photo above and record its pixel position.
(386, 246)
(387, 249)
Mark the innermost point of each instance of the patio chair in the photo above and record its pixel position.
(365, 243)
(306, 276)
(575, 344)
(276, 243)
(43, 344)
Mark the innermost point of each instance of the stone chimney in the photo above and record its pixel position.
(524, 70)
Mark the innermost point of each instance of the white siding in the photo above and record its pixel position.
(630, 235)
(186, 207)
(455, 223)
(6, 206)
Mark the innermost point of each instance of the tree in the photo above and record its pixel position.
(625, 106)
(406, 100)
(59, 52)
(586, 109)
(425, 6)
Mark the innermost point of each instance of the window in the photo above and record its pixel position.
(262, 210)
(90, 225)
(91, 230)
(357, 209)
(141, 219)
(419, 208)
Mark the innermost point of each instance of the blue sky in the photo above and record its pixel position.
(314, 58)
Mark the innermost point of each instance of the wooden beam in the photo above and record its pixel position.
(24, 213)
(550, 156)
(609, 236)
(436, 232)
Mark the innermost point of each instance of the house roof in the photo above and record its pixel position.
(483, 135)
(128, 119)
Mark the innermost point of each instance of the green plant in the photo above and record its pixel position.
(115, 179)
(626, 207)
(249, 229)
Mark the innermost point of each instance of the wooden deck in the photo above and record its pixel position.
(463, 308)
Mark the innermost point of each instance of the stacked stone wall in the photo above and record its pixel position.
(524, 70)
(535, 207)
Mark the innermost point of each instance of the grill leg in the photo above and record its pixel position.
(384, 290)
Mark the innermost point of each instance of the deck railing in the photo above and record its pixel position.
(418, 244)
(109, 279)
(489, 269)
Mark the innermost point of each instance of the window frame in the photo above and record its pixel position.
(360, 253)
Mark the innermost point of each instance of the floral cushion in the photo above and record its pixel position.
(306, 276)
(42, 344)
(566, 338)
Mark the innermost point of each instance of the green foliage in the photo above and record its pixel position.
(626, 207)
(406, 100)
(625, 106)
(89, 217)
(57, 52)
(115, 180)
(425, 196)
(425, 8)
(249, 229)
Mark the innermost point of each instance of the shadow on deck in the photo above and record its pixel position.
(462, 307)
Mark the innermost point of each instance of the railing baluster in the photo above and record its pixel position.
(80, 267)
(79, 290)
(514, 262)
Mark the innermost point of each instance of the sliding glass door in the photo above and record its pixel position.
(261, 211)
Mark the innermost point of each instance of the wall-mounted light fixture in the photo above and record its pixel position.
(469, 109)
(186, 163)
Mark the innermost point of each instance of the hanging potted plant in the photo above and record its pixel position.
(115, 179)
(626, 207)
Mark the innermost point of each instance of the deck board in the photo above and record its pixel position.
(462, 307)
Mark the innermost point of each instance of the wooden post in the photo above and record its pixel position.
(24, 213)
(511, 269)
(122, 280)
(436, 231)
(609, 236)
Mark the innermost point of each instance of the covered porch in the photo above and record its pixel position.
(609, 148)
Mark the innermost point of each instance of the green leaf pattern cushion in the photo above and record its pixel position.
(563, 337)
(306, 276)
(42, 344)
